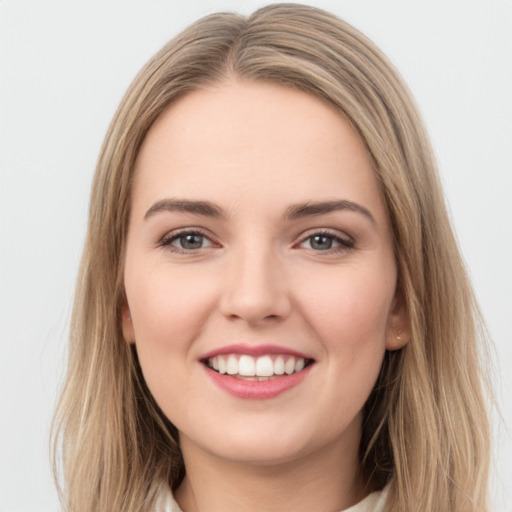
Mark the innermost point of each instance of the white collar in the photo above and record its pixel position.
(372, 503)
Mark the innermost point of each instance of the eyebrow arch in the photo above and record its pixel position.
(204, 208)
(319, 208)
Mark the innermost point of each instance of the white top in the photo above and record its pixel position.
(372, 503)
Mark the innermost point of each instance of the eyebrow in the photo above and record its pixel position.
(204, 208)
(307, 209)
(293, 212)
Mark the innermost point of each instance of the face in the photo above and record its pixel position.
(260, 276)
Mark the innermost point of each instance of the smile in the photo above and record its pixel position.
(260, 372)
(262, 368)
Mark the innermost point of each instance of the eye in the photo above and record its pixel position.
(326, 241)
(186, 241)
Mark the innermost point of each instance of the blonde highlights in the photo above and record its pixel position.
(425, 427)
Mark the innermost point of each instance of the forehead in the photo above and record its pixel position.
(239, 141)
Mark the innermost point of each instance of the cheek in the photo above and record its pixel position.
(164, 306)
(349, 311)
(167, 313)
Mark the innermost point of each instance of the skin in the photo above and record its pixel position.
(254, 150)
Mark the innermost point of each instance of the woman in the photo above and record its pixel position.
(272, 312)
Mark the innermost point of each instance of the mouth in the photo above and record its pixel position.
(261, 368)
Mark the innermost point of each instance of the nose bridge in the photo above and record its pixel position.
(255, 287)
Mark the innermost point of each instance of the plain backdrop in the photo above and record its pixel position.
(63, 68)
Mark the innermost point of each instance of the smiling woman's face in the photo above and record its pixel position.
(260, 274)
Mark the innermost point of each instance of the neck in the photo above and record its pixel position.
(324, 481)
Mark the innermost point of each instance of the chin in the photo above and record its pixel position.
(262, 454)
(262, 444)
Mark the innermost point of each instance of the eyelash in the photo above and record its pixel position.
(345, 244)
(168, 239)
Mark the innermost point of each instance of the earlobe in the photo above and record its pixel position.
(127, 324)
(399, 331)
(397, 339)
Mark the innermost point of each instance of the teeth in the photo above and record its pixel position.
(256, 368)
(299, 365)
(289, 366)
(232, 365)
(221, 362)
(279, 365)
(264, 366)
(246, 366)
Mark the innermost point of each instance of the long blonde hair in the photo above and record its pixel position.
(425, 427)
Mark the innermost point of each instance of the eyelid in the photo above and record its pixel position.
(166, 240)
(346, 242)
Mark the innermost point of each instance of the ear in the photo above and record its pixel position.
(127, 324)
(399, 328)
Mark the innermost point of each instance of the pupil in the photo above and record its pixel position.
(191, 241)
(321, 242)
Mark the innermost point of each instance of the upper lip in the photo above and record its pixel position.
(254, 350)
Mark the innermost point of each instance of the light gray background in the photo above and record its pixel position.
(65, 65)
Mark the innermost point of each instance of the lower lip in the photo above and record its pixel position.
(257, 390)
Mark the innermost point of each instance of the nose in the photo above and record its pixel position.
(255, 288)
